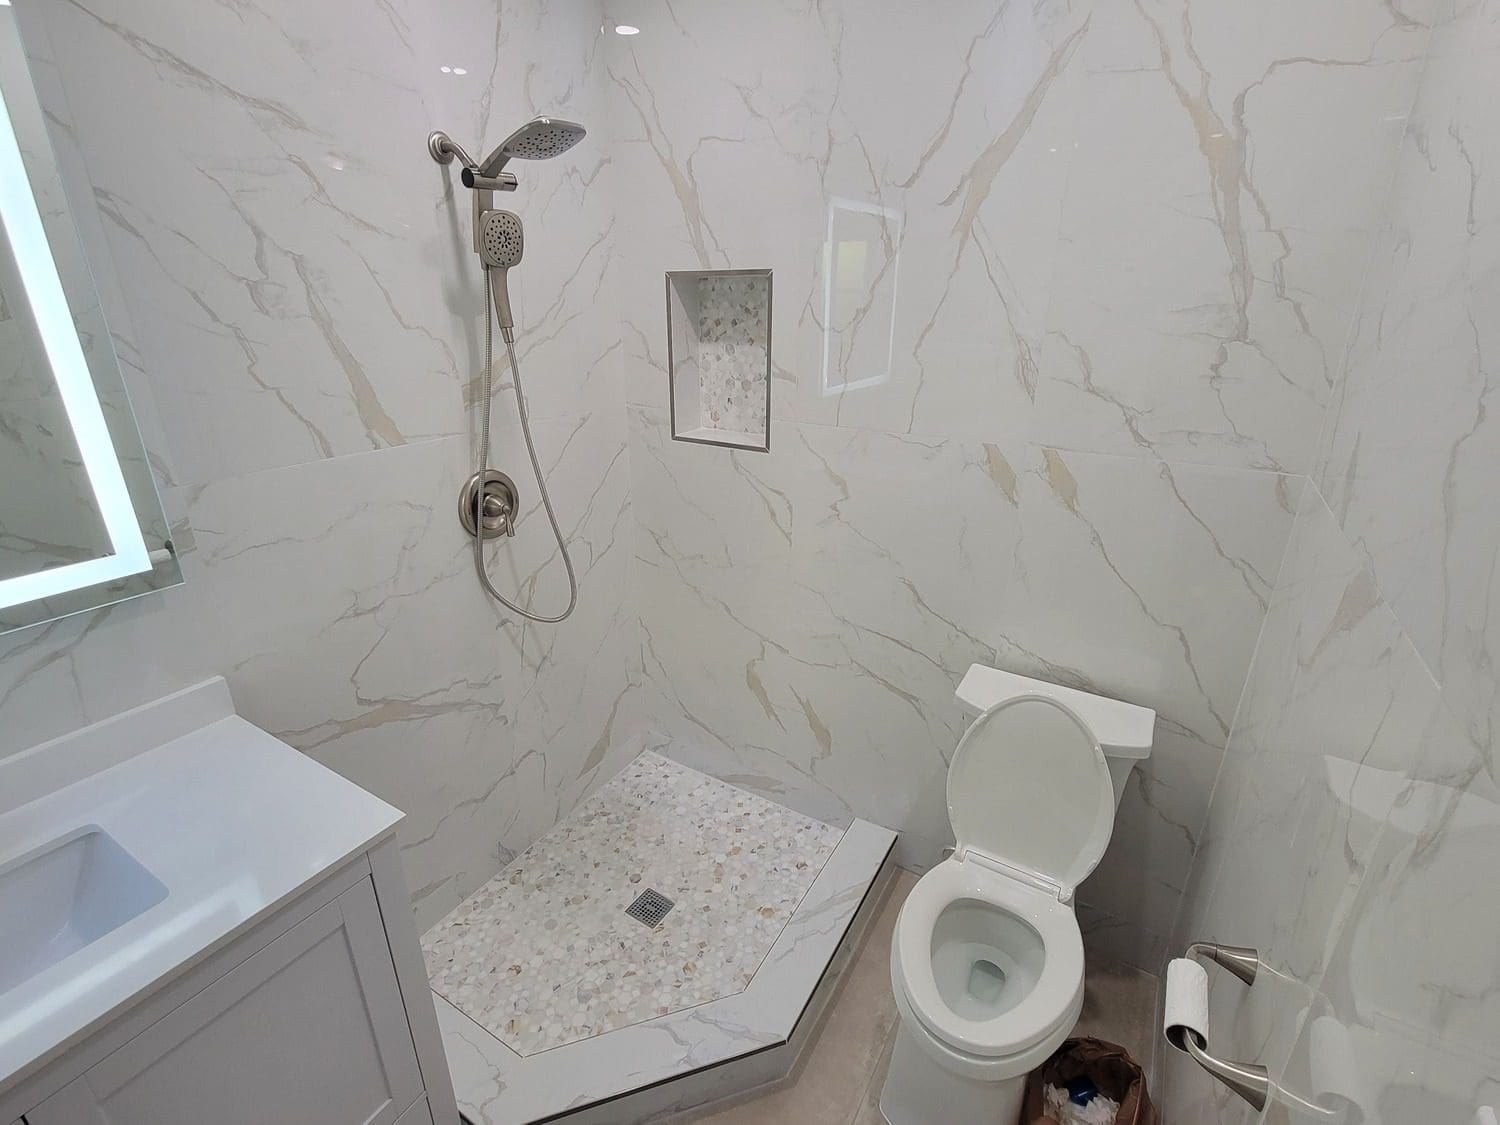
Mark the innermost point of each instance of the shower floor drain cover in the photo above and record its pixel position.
(650, 907)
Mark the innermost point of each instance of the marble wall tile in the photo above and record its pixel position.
(304, 315)
(807, 616)
(1412, 447)
(943, 188)
(1053, 427)
(1368, 894)
(774, 647)
(278, 213)
(1229, 163)
(1089, 340)
(339, 600)
(1147, 582)
(1413, 981)
(1336, 704)
(1408, 976)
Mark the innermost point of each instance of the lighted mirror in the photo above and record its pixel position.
(81, 524)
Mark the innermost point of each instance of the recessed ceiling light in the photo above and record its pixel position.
(459, 70)
(626, 29)
(446, 69)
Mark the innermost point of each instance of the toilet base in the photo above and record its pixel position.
(918, 1091)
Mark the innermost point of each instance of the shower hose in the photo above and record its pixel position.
(536, 468)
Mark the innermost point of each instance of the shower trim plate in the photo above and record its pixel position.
(502, 504)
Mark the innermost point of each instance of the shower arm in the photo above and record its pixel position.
(444, 148)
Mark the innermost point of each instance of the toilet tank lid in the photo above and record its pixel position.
(1124, 730)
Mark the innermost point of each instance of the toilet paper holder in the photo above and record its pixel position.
(1250, 1081)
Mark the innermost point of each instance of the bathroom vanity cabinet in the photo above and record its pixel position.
(300, 994)
(302, 1020)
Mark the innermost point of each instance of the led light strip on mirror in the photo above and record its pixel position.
(22, 225)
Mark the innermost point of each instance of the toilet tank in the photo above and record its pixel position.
(1124, 731)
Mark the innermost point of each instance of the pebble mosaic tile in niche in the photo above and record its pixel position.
(734, 326)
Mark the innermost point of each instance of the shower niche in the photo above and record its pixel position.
(719, 357)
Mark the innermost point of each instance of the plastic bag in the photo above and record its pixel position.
(1109, 1067)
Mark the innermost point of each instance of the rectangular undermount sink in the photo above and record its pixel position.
(63, 896)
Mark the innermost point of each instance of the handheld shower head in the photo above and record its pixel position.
(539, 139)
(502, 241)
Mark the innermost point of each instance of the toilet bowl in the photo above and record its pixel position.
(986, 958)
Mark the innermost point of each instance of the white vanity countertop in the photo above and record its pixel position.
(233, 821)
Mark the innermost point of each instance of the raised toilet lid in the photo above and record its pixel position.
(1029, 787)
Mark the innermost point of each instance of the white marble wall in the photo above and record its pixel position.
(305, 313)
(1354, 827)
(1112, 254)
(1113, 251)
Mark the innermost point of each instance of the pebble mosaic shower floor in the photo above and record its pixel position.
(544, 953)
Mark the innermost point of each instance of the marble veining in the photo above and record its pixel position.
(544, 955)
(1356, 818)
(1055, 332)
(296, 241)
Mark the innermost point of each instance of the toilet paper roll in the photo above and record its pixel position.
(1185, 1011)
(1330, 1062)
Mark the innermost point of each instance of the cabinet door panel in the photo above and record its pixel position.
(419, 1114)
(311, 1028)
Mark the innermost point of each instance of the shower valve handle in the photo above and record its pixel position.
(498, 510)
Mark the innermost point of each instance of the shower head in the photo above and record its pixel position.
(501, 241)
(539, 139)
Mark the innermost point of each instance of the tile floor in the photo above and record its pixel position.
(544, 955)
(839, 1078)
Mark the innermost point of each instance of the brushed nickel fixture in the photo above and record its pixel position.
(497, 507)
(488, 501)
(1250, 1081)
(650, 907)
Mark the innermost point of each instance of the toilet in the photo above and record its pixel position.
(987, 959)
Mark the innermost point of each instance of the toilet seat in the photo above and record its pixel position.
(1029, 793)
(1051, 1000)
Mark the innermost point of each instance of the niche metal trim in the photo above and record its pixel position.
(675, 278)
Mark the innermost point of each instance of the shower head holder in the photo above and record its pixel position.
(500, 181)
(443, 148)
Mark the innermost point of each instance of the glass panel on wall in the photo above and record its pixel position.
(861, 252)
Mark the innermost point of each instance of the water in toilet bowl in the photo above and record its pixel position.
(987, 981)
(985, 961)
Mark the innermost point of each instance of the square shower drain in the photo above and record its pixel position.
(650, 907)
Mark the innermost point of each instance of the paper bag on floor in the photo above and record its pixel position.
(1109, 1067)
